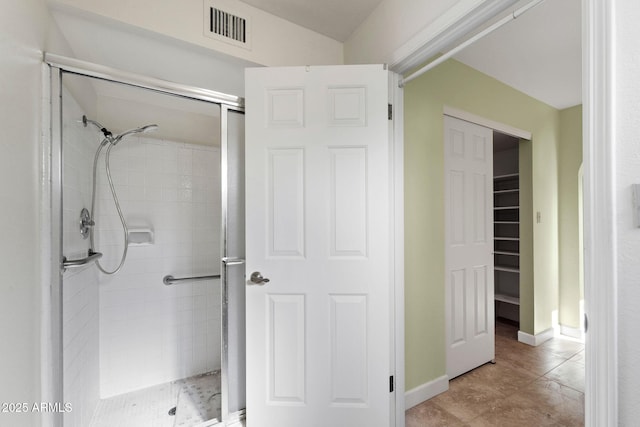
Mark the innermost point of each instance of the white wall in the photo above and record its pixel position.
(627, 126)
(23, 25)
(392, 24)
(81, 377)
(151, 333)
(125, 47)
(275, 41)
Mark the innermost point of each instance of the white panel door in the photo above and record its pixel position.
(318, 224)
(468, 245)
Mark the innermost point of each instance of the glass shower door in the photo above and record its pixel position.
(131, 339)
(233, 403)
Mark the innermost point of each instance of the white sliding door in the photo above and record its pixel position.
(468, 245)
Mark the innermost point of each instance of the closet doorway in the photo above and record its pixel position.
(506, 227)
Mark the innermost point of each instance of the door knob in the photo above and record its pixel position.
(257, 279)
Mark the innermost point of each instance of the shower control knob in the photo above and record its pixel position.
(257, 279)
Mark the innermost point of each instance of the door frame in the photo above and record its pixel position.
(600, 279)
(491, 124)
(396, 131)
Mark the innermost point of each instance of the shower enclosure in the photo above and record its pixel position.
(148, 294)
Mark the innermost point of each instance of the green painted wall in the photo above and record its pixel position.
(456, 85)
(570, 159)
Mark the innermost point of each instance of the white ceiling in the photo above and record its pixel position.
(333, 18)
(538, 54)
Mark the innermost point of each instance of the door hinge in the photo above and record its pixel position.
(390, 111)
(391, 384)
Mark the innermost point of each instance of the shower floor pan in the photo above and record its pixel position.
(188, 402)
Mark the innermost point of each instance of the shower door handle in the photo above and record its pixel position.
(227, 262)
(257, 279)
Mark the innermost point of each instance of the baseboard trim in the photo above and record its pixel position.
(425, 391)
(572, 332)
(535, 340)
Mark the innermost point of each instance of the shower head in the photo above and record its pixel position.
(149, 128)
(143, 129)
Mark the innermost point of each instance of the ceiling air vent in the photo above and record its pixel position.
(226, 26)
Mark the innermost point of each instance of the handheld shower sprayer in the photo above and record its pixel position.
(143, 129)
(109, 140)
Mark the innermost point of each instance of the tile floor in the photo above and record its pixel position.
(196, 399)
(527, 386)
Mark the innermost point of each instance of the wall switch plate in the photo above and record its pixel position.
(635, 190)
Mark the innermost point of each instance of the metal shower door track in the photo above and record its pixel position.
(102, 72)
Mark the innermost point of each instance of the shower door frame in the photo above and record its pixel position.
(58, 66)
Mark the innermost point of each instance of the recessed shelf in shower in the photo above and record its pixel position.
(140, 236)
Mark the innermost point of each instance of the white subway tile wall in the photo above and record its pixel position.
(151, 333)
(81, 378)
